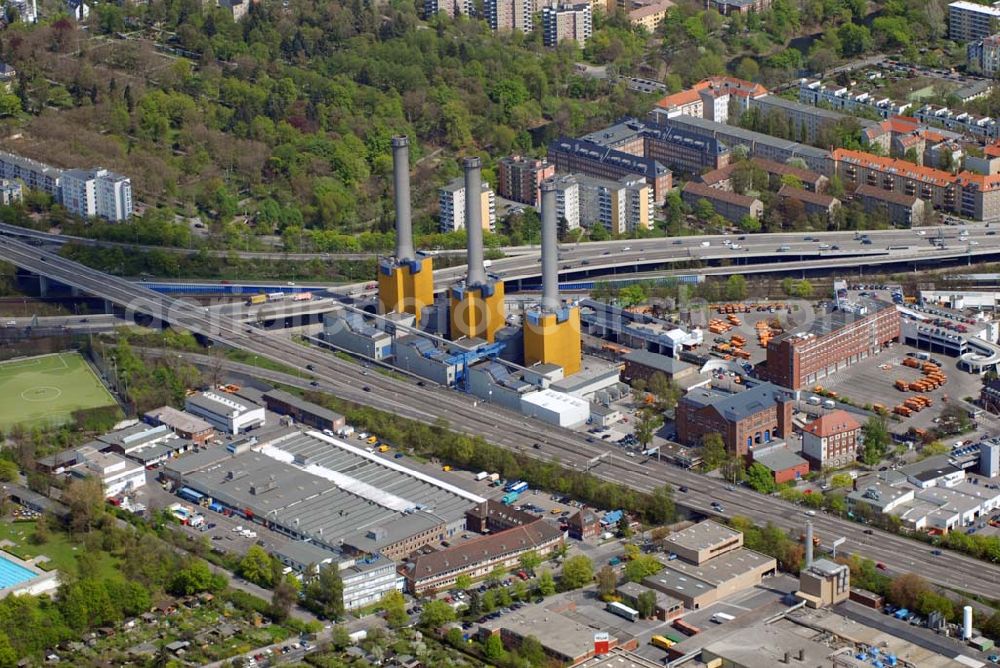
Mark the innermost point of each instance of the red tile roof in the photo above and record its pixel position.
(731, 85)
(808, 197)
(834, 422)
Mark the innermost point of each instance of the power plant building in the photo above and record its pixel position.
(405, 281)
(477, 308)
(552, 329)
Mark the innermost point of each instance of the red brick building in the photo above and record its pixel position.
(784, 465)
(835, 340)
(520, 178)
(831, 439)
(745, 420)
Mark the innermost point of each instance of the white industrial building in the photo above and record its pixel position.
(225, 412)
(366, 582)
(117, 474)
(557, 408)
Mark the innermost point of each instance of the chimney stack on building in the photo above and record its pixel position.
(550, 248)
(809, 544)
(401, 184)
(476, 275)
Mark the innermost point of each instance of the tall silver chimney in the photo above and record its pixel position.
(474, 221)
(550, 248)
(401, 185)
(809, 544)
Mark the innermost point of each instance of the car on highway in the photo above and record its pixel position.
(314, 383)
(881, 566)
(366, 388)
(936, 553)
(682, 488)
(868, 532)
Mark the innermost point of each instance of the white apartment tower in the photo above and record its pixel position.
(451, 201)
(507, 15)
(562, 22)
(93, 193)
(568, 200)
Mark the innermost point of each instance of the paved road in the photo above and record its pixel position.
(466, 414)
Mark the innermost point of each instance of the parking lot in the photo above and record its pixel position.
(763, 311)
(871, 382)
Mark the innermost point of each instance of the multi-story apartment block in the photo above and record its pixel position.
(685, 151)
(805, 121)
(97, 193)
(450, 8)
(619, 206)
(727, 7)
(451, 201)
(36, 175)
(835, 96)
(839, 338)
(985, 54)
(567, 22)
(507, 15)
(627, 135)
(754, 417)
(586, 157)
(519, 178)
(10, 192)
(730, 205)
(968, 21)
(816, 204)
(831, 439)
(649, 15)
(776, 171)
(568, 200)
(856, 168)
(758, 145)
(710, 98)
(982, 127)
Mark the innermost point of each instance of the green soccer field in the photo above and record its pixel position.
(47, 389)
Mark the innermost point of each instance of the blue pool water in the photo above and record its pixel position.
(12, 573)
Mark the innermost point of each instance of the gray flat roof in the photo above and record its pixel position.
(663, 600)
(765, 645)
(554, 630)
(667, 365)
(706, 125)
(780, 460)
(304, 552)
(702, 535)
(303, 405)
(176, 419)
(720, 569)
(363, 493)
(818, 112)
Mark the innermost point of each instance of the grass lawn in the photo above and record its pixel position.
(59, 549)
(47, 389)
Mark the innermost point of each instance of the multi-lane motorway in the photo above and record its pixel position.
(464, 413)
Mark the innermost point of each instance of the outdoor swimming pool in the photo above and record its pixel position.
(12, 574)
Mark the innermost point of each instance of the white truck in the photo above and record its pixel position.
(482, 475)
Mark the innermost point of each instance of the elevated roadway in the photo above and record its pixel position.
(428, 404)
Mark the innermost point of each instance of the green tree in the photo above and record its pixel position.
(704, 210)
(324, 593)
(841, 481)
(436, 614)
(661, 507)
(641, 567)
(750, 224)
(463, 582)
(736, 288)
(933, 449)
(607, 582)
(759, 477)
(8, 656)
(713, 451)
(532, 652)
(666, 391)
(577, 571)
(876, 440)
(8, 470)
(394, 606)
(282, 599)
(646, 604)
(647, 422)
(530, 560)
(85, 499)
(632, 295)
(546, 583)
(493, 649)
(256, 567)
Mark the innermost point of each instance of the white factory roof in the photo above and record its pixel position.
(551, 400)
